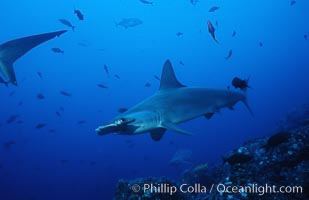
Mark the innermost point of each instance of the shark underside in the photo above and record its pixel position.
(172, 104)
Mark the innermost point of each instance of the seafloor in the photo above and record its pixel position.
(277, 160)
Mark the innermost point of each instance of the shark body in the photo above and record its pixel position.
(172, 104)
(12, 50)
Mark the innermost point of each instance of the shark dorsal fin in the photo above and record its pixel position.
(168, 78)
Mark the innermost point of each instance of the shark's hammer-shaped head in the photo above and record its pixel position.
(130, 123)
(118, 125)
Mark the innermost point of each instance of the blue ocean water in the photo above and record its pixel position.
(66, 159)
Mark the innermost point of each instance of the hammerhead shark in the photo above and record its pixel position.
(12, 50)
(172, 104)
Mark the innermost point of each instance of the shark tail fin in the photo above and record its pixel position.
(14, 49)
(9, 73)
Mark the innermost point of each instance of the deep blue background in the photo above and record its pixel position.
(32, 167)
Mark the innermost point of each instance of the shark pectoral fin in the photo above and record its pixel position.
(157, 134)
(175, 128)
(209, 115)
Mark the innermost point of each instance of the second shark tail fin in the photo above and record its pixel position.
(14, 49)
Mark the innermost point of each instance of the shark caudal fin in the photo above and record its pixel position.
(168, 78)
(14, 49)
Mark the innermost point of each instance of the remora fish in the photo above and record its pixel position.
(172, 104)
(14, 49)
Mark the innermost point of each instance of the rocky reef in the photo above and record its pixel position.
(274, 167)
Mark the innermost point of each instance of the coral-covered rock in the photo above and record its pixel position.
(278, 160)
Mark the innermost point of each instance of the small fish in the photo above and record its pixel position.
(179, 33)
(194, 2)
(102, 86)
(213, 9)
(20, 103)
(4, 82)
(217, 24)
(261, 44)
(212, 30)
(147, 85)
(11, 94)
(67, 23)
(305, 36)
(11, 119)
(146, 2)
(40, 96)
(156, 77)
(116, 76)
(292, 3)
(229, 55)
(242, 84)
(79, 14)
(40, 125)
(58, 114)
(277, 139)
(106, 70)
(122, 110)
(64, 93)
(181, 63)
(129, 22)
(234, 34)
(81, 121)
(40, 75)
(57, 50)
